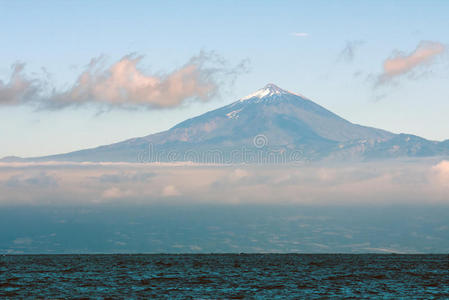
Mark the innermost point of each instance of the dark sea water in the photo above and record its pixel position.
(224, 229)
(225, 276)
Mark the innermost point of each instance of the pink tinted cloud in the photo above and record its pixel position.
(19, 88)
(362, 183)
(401, 63)
(125, 83)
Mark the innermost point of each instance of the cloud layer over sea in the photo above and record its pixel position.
(417, 181)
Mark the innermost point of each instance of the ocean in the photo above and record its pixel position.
(224, 276)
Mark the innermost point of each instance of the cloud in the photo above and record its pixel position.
(42, 180)
(115, 192)
(441, 172)
(400, 63)
(300, 34)
(125, 177)
(238, 174)
(348, 52)
(125, 84)
(169, 191)
(417, 181)
(19, 89)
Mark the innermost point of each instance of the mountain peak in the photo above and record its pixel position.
(267, 91)
(274, 88)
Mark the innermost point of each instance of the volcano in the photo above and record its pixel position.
(269, 125)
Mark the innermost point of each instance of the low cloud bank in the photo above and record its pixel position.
(420, 182)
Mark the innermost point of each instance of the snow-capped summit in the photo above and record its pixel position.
(269, 91)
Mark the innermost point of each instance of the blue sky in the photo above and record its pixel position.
(56, 41)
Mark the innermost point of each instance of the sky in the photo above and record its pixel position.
(78, 74)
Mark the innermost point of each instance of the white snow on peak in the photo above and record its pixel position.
(258, 94)
(268, 91)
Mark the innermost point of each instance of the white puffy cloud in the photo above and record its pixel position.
(238, 174)
(170, 190)
(113, 192)
(441, 172)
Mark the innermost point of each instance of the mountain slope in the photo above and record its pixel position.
(270, 125)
